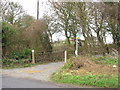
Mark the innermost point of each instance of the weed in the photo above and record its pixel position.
(27, 65)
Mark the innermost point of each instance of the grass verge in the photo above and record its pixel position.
(107, 60)
(93, 80)
(104, 80)
(19, 64)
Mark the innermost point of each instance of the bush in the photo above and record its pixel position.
(11, 63)
(6, 61)
(24, 54)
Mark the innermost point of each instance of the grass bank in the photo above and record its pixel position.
(92, 74)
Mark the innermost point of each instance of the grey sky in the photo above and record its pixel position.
(30, 6)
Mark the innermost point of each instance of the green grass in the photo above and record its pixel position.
(92, 80)
(107, 60)
(107, 81)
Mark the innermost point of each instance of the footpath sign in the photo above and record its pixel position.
(78, 36)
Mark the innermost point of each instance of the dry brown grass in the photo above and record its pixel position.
(85, 65)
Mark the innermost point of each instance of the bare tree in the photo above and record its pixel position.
(11, 12)
(63, 11)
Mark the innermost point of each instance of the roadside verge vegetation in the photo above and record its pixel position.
(12, 63)
(90, 71)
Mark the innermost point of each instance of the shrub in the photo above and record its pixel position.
(24, 54)
(11, 63)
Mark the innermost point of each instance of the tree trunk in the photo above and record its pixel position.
(68, 40)
(102, 45)
(86, 45)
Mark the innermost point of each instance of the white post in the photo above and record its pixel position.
(33, 57)
(65, 56)
(76, 51)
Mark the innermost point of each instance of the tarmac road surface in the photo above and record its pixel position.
(12, 82)
(39, 72)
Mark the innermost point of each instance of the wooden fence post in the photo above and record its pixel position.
(65, 56)
(33, 57)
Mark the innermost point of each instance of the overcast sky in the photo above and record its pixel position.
(30, 6)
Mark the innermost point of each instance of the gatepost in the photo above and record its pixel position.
(33, 57)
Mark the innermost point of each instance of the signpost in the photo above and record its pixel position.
(76, 51)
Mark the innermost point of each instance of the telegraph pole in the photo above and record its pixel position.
(37, 9)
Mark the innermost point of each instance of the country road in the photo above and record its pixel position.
(32, 77)
(38, 72)
(12, 82)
